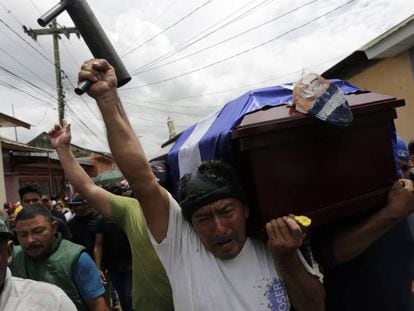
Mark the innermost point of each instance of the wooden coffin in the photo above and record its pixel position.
(294, 163)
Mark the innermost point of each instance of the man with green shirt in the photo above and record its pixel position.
(150, 286)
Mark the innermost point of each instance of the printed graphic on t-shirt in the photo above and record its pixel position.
(274, 292)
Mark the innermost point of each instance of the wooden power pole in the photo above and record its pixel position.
(55, 31)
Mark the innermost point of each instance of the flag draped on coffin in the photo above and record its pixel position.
(210, 138)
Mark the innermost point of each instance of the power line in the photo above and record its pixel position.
(165, 11)
(240, 53)
(75, 62)
(26, 67)
(224, 41)
(154, 21)
(85, 105)
(160, 102)
(37, 51)
(17, 77)
(80, 121)
(35, 56)
(163, 110)
(191, 97)
(10, 12)
(82, 130)
(232, 89)
(168, 28)
(190, 42)
(21, 24)
(36, 7)
(11, 86)
(212, 108)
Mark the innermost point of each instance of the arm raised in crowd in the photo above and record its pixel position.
(125, 146)
(98, 198)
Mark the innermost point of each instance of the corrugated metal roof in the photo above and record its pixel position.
(394, 41)
(8, 121)
(16, 146)
(386, 34)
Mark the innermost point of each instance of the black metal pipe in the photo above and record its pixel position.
(83, 87)
(94, 37)
(52, 13)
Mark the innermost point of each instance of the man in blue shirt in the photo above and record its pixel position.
(44, 256)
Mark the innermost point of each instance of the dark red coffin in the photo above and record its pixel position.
(295, 163)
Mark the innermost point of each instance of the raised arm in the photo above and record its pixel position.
(125, 146)
(98, 198)
(304, 289)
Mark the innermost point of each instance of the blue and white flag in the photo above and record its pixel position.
(210, 138)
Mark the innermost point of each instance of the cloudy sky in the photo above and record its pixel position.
(186, 57)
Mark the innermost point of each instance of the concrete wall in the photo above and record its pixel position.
(393, 76)
(12, 187)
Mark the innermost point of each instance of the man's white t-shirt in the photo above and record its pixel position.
(29, 295)
(201, 281)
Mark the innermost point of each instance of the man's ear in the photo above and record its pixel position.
(9, 252)
(54, 226)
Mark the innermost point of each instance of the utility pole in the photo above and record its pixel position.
(55, 31)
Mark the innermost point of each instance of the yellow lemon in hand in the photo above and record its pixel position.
(303, 221)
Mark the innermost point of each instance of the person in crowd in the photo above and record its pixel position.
(7, 207)
(368, 259)
(44, 256)
(22, 294)
(113, 256)
(4, 213)
(403, 155)
(411, 151)
(60, 207)
(406, 161)
(83, 225)
(150, 286)
(29, 194)
(67, 211)
(210, 261)
(16, 208)
(48, 203)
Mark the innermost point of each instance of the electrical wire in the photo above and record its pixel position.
(31, 46)
(163, 110)
(26, 67)
(193, 40)
(30, 84)
(240, 53)
(154, 21)
(223, 41)
(168, 28)
(11, 86)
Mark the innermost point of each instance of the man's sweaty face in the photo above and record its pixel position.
(36, 236)
(221, 226)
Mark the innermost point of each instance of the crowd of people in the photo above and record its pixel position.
(194, 253)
